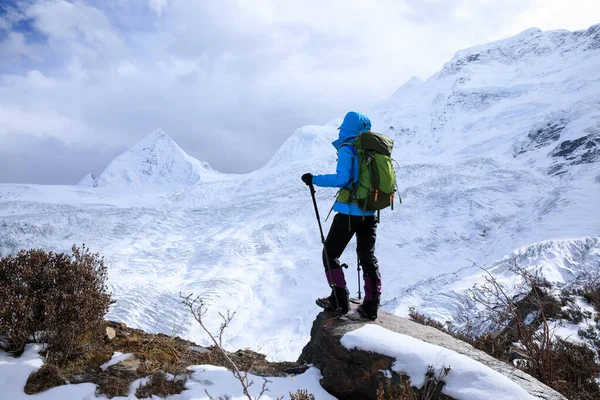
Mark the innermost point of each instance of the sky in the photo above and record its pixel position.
(228, 80)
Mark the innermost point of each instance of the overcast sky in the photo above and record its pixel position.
(82, 81)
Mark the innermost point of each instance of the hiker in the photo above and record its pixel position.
(349, 220)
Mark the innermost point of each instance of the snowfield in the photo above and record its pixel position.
(499, 159)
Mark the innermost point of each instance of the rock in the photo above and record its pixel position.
(346, 374)
(357, 374)
(119, 327)
(130, 365)
(198, 350)
(514, 353)
(122, 363)
(297, 370)
(81, 378)
(110, 333)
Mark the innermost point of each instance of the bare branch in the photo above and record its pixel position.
(264, 388)
(198, 311)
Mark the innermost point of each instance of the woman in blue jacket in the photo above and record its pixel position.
(349, 220)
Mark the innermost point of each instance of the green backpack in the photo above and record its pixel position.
(376, 186)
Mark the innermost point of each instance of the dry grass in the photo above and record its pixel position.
(158, 355)
(115, 383)
(496, 346)
(403, 391)
(160, 385)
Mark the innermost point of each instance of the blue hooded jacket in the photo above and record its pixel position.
(347, 165)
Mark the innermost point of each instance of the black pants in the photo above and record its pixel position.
(342, 229)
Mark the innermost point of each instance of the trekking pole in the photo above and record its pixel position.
(312, 193)
(358, 272)
(326, 256)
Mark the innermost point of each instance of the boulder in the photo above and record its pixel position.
(352, 374)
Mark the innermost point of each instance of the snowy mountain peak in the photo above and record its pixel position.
(158, 140)
(87, 181)
(306, 143)
(154, 163)
(412, 83)
(530, 44)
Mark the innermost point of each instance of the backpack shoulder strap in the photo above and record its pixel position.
(345, 144)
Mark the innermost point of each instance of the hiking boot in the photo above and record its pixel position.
(368, 309)
(329, 303)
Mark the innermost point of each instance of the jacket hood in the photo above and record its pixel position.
(354, 124)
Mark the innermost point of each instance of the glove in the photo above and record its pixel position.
(307, 178)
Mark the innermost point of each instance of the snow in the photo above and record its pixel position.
(479, 182)
(15, 371)
(217, 381)
(220, 382)
(568, 330)
(467, 380)
(116, 359)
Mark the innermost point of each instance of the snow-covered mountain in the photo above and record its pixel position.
(521, 119)
(155, 163)
(532, 97)
(87, 181)
(499, 152)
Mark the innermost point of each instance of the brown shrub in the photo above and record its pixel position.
(575, 371)
(302, 395)
(47, 377)
(53, 298)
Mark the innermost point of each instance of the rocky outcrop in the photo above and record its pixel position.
(353, 374)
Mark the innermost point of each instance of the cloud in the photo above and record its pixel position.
(558, 14)
(221, 77)
(159, 6)
(42, 159)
